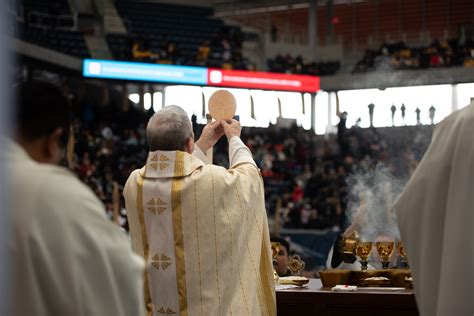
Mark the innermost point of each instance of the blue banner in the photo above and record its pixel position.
(144, 72)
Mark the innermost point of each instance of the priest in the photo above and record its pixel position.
(65, 256)
(435, 215)
(202, 229)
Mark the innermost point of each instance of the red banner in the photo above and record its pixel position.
(262, 80)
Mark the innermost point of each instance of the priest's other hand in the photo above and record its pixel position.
(211, 133)
(231, 128)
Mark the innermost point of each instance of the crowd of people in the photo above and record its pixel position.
(304, 173)
(309, 174)
(299, 65)
(223, 50)
(399, 56)
(142, 52)
(109, 144)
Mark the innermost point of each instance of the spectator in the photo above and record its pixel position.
(203, 53)
(141, 51)
(283, 256)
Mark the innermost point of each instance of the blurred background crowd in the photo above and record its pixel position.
(306, 173)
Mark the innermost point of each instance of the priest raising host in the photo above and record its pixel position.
(202, 229)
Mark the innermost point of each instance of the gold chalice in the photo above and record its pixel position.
(385, 250)
(363, 250)
(348, 246)
(403, 255)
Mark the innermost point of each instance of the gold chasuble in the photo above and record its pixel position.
(203, 232)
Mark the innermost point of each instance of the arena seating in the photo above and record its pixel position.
(67, 42)
(186, 26)
(398, 56)
(298, 65)
(49, 24)
(46, 6)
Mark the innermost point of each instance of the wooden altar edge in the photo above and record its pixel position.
(316, 300)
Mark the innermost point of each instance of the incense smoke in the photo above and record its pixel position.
(377, 189)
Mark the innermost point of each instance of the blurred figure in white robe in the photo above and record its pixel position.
(66, 258)
(435, 216)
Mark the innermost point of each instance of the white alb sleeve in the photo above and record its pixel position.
(239, 153)
(198, 153)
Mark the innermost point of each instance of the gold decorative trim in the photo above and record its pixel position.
(215, 243)
(198, 247)
(232, 255)
(176, 186)
(163, 261)
(226, 211)
(163, 165)
(141, 217)
(264, 290)
(260, 287)
(268, 291)
(156, 206)
(164, 158)
(165, 311)
(254, 213)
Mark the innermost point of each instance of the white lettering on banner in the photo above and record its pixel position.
(268, 81)
(150, 72)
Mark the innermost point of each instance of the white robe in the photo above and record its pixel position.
(66, 257)
(435, 215)
(203, 231)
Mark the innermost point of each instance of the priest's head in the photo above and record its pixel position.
(170, 129)
(42, 121)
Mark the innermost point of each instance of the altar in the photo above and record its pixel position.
(317, 300)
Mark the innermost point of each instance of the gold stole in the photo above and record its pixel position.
(156, 216)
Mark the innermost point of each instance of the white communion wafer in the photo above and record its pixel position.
(222, 105)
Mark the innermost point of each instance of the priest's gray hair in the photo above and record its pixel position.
(168, 129)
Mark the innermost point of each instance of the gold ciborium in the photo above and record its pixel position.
(385, 250)
(363, 250)
(403, 255)
(348, 246)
